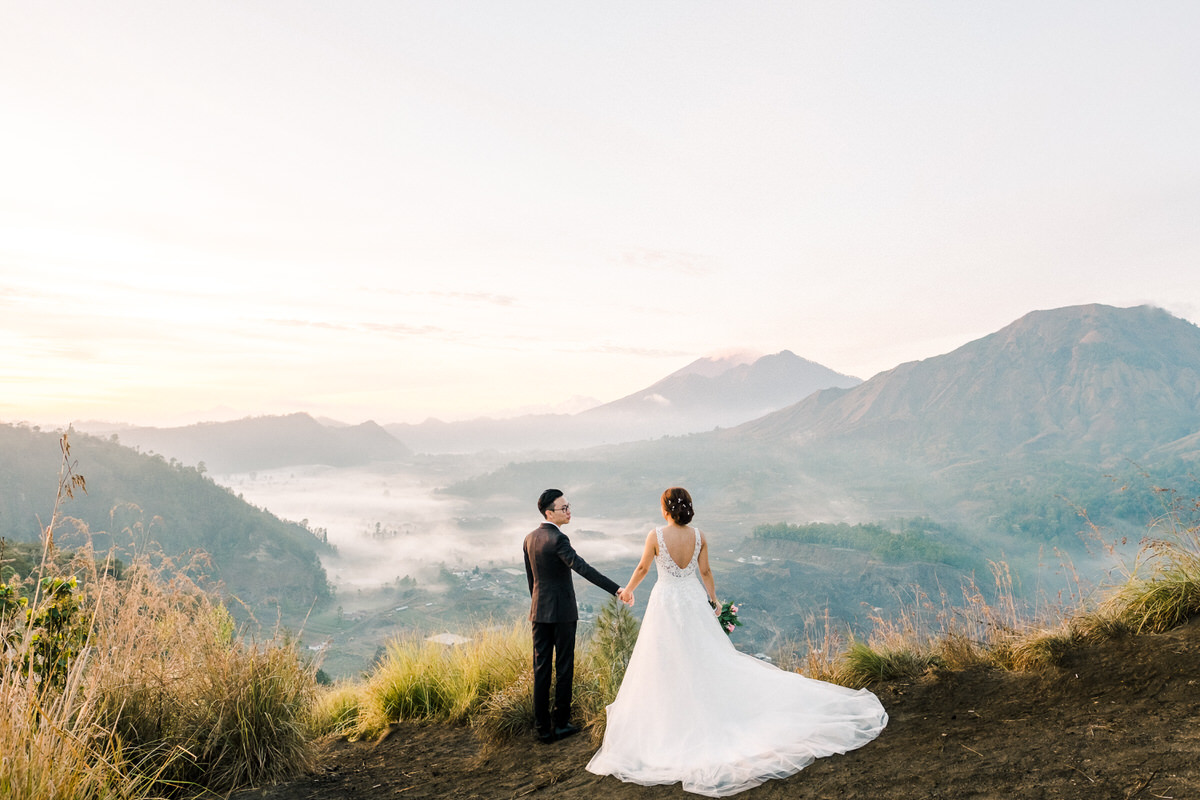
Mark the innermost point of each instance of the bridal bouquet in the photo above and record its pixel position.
(728, 617)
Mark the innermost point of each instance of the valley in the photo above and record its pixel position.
(1039, 448)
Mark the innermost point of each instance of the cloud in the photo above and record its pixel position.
(644, 352)
(484, 298)
(675, 262)
(402, 330)
(397, 329)
(487, 298)
(308, 323)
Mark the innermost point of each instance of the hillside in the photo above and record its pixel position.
(259, 443)
(137, 503)
(706, 394)
(1010, 436)
(1092, 381)
(1115, 721)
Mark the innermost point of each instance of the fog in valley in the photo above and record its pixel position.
(387, 521)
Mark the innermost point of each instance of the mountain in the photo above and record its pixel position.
(268, 442)
(141, 504)
(1067, 411)
(699, 397)
(1088, 381)
(705, 394)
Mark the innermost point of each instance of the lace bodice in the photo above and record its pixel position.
(667, 565)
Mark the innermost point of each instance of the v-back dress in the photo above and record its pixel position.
(693, 709)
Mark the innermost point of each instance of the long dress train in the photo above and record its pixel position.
(693, 709)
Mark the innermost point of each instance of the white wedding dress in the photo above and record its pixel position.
(693, 709)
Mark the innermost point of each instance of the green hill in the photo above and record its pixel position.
(141, 503)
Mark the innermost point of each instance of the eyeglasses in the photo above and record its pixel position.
(565, 507)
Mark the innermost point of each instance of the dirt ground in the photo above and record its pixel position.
(1118, 720)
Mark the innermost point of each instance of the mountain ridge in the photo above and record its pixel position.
(1012, 437)
(1072, 374)
(705, 394)
(268, 442)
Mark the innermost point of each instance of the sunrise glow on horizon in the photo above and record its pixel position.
(395, 211)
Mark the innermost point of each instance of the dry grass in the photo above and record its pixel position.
(864, 664)
(162, 700)
(425, 680)
(337, 709)
(48, 750)
(183, 694)
(486, 681)
(1160, 590)
(1163, 589)
(163, 697)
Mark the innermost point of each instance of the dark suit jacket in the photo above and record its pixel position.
(549, 559)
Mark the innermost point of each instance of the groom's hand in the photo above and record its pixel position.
(625, 596)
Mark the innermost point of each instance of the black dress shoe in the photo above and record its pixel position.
(547, 737)
(566, 730)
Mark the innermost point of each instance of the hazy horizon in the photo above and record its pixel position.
(402, 211)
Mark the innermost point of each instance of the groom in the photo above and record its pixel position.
(549, 559)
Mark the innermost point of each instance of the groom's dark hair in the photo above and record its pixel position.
(546, 501)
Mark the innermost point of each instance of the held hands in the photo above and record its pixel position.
(625, 596)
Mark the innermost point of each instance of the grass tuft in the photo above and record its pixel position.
(864, 664)
(486, 682)
(426, 680)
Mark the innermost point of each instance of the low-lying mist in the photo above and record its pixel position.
(387, 522)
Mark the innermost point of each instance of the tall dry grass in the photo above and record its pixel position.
(147, 693)
(486, 682)
(1162, 589)
(189, 700)
(426, 680)
(1158, 590)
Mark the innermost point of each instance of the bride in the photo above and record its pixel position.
(693, 709)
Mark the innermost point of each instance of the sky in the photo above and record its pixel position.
(402, 210)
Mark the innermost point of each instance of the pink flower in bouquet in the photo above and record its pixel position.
(727, 616)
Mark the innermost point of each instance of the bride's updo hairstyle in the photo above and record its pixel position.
(678, 504)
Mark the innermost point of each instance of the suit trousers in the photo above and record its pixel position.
(553, 654)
